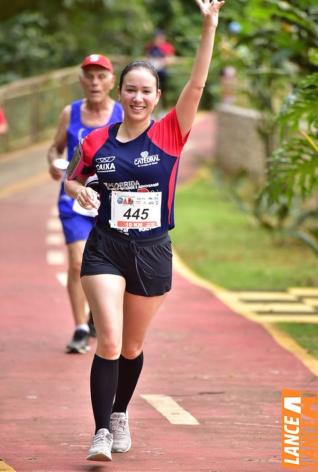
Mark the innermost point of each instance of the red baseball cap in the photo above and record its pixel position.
(97, 60)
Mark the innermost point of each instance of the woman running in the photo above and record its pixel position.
(127, 263)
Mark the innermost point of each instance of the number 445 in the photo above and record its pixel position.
(137, 214)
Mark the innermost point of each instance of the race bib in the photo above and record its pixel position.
(135, 210)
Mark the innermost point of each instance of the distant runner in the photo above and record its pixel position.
(78, 119)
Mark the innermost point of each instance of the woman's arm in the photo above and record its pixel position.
(74, 185)
(190, 96)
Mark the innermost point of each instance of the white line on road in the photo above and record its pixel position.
(54, 224)
(54, 239)
(55, 257)
(54, 211)
(62, 278)
(170, 409)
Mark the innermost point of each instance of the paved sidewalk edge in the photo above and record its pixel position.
(281, 338)
(5, 467)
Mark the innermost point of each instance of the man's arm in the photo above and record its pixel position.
(58, 146)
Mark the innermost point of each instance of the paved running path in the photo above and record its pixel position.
(223, 369)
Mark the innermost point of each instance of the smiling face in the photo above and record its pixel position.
(96, 83)
(139, 94)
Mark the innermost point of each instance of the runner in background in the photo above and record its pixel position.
(160, 54)
(82, 116)
(3, 122)
(127, 262)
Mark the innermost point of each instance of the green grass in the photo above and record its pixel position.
(227, 247)
(306, 334)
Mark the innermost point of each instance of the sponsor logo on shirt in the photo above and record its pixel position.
(129, 185)
(105, 164)
(105, 159)
(145, 160)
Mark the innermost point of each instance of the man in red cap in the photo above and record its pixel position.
(78, 119)
(97, 60)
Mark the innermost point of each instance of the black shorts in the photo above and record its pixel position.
(145, 264)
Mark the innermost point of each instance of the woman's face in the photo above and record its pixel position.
(139, 94)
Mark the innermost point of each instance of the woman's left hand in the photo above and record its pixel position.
(210, 10)
(87, 198)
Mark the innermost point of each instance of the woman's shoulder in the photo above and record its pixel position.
(95, 139)
(164, 120)
(166, 134)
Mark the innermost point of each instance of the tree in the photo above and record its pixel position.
(49, 35)
(276, 48)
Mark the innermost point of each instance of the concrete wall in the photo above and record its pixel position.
(238, 144)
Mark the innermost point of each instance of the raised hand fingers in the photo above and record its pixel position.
(203, 3)
(209, 7)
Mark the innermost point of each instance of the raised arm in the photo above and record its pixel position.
(190, 96)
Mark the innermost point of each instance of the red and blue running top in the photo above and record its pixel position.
(148, 163)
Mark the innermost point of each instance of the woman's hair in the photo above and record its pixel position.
(138, 65)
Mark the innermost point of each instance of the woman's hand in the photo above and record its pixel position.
(88, 198)
(210, 11)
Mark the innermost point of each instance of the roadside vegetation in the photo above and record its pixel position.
(229, 248)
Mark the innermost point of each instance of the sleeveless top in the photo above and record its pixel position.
(76, 131)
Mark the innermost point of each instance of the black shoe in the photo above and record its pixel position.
(92, 330)
(79, 343)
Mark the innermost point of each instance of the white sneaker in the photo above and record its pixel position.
(101, 446)
(120, 431)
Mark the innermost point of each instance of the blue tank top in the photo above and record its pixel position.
(75, 132)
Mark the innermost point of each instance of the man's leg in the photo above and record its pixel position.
(76, 230)
(79, 343)
(74, 286)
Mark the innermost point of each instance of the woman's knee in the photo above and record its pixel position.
(132, 350)
(108, 348)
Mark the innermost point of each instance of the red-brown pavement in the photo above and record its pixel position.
(225, 370)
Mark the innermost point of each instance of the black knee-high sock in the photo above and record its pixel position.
(104, 379)
(129, 372)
